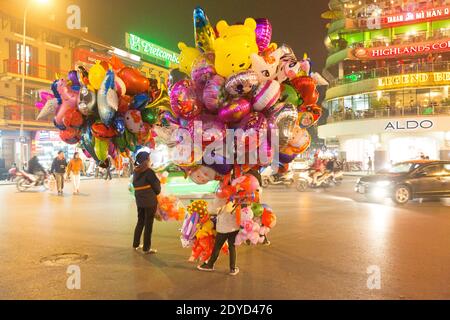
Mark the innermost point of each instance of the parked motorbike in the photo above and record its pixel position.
(306, 180)
(27, 181)
(268, 178)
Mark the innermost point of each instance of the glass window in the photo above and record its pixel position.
(433, 170)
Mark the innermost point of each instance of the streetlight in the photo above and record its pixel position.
(23, 66)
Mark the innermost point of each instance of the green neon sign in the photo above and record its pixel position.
(147, 48)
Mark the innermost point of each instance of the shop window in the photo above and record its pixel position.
(410, 148)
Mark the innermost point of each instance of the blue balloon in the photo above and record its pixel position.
(119, 124)
(140, 100)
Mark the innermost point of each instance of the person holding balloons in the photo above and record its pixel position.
(146, 187)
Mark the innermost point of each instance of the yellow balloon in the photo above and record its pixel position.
(162, 101)
(187, 57)
(234, 47)
(96, 75)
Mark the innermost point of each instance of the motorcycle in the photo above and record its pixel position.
(268, 178)
(27, 180)
(306, 180)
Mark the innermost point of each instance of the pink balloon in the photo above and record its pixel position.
(235, 110)
(183, 100)
(214, 93)
(263, 33)
(69, 100)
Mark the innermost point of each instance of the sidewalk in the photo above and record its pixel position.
(11, 183)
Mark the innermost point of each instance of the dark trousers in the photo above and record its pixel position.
(108, 174)
(220, 241)
(145, 223)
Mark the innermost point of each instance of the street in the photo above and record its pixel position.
(323, 245)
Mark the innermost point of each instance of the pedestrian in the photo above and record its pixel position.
(227, 230)
(108, 168)
(75, 168)
(369, 165)
(146, 187)
(59, 166)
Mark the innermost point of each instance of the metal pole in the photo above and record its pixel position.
(23, 66)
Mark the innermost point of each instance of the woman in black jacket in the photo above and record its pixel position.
(146, 188)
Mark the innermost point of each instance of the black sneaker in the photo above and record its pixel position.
(205, 267)
(234, 271)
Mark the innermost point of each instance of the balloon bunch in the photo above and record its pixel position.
(170, 208)
(256, 222)
(198, 231)
(107, 109)
(235, 78)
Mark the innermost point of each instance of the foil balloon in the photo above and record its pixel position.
(100, 131)
(68, 97)
(96, 75)
(134, 81)
(73, 118)
(290, 95)
(183, 100)
(162, 101)
(140, 100)
(306, 87)
(271, 111)
(133, 121)
(73, 78)
(124, 103)
(119, 125)
(168, 118)
(214, 95)
(300, 140)
(242, 83)
(44, 96)
(187, 57)
(235, 110)
(306, 119)
(254, 120)
(203, 31)
(263, 33)
(150, 116)
(202, 70)
(49, 108)
(289, 66)
(70, 135)
(120, 86)
(202, 174)
(314, 109)
(83, 76)
(266, 95)
(220, 165)
(101, 147)
(87, 101)
(107, 99)
(285, 121)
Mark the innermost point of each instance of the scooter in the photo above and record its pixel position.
(305, 180)
(26, 181)
(269, 178)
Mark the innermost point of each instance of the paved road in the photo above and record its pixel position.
(322, 246)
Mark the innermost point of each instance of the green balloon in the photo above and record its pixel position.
(150, 115)
(131, 140)
(101, 149)
(257, 209)
(289, 95)
(120, 142)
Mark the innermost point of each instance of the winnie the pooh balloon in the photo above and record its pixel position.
(234, 47)
(187, 57)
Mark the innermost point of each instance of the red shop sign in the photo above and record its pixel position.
(402, 50)
(87, 56)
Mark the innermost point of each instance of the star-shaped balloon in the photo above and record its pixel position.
(203, 31)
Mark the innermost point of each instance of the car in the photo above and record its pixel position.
(408, 180)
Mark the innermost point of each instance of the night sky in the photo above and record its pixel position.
(295, 22)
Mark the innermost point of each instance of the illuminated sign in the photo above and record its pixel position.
(402, 50)
(409, 125)
(412, 17)
(147, 48)
(415, 79)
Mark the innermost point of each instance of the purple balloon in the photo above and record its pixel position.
(263, 33)
(73, 77)
(214, 93)
(286, 158)
(254, 120)
(183, 100)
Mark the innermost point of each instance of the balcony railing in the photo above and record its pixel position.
(392, 71)
(31, 69)
(12, 113)
(389, 112)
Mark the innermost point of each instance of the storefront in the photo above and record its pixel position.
(10, 146)
(46, 145)
(390, 140)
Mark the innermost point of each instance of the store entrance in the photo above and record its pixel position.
(412, 148)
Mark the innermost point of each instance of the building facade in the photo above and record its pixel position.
(51, 50)
(389, 73)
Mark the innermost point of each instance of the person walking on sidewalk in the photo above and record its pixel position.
(146, 187)
(59, 169)
(75, 168)
(107, 166)
(227, 230)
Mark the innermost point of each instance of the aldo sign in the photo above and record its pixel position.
(408, 125)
